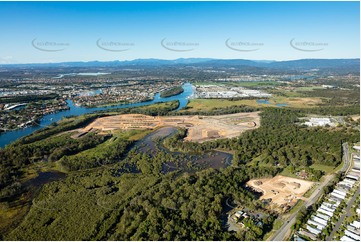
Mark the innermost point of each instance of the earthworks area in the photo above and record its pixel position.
(200, 128)
(282, 190)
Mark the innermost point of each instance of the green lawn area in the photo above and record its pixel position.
(326, 169)
(339, 166)
(311, 190)
(287, 172)
(297, 206)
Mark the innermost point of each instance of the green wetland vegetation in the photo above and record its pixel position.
(114, 186)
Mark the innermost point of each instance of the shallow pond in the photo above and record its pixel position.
(152, 143)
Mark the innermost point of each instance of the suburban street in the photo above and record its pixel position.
(342, 218)
(284, 230)
(281, 234)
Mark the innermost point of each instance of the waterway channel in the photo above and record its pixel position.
(10, 136)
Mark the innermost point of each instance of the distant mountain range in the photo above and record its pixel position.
(302, 64)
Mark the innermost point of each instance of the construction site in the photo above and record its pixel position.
(200, 128)
(281, 190)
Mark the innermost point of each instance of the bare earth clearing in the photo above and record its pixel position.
(281, 189)
(200, 128)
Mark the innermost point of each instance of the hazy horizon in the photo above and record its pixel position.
(255, 60)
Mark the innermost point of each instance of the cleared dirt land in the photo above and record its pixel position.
(200, 128)
(281, 189)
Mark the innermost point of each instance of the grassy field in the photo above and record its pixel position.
(208, 104)
(286, 93)
(326, 169)
(287, 172)
(296, 102)
(311, 88)
(339, 167)
(297, 206)
(311, 190)
(258, 161)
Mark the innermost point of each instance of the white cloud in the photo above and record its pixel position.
(7, 60)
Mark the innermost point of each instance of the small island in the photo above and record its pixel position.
(172, 92)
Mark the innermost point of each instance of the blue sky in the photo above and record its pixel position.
(258, 30)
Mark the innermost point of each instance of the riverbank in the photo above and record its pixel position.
(29, 114)
(10, 136)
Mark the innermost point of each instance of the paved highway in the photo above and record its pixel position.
(284, 231)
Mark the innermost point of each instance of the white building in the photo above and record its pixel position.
(319, 220)
(352, 235)
(319, 122)
(353, 229)
(336, 195)
(346, 238)
(313, 230)
(324, 214)
(352, 177)
(342, 193)
(318, 225)
(355, 223)
(329, 209)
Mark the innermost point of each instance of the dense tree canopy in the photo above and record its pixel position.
(115, 191)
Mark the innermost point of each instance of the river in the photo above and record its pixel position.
(10, 136)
